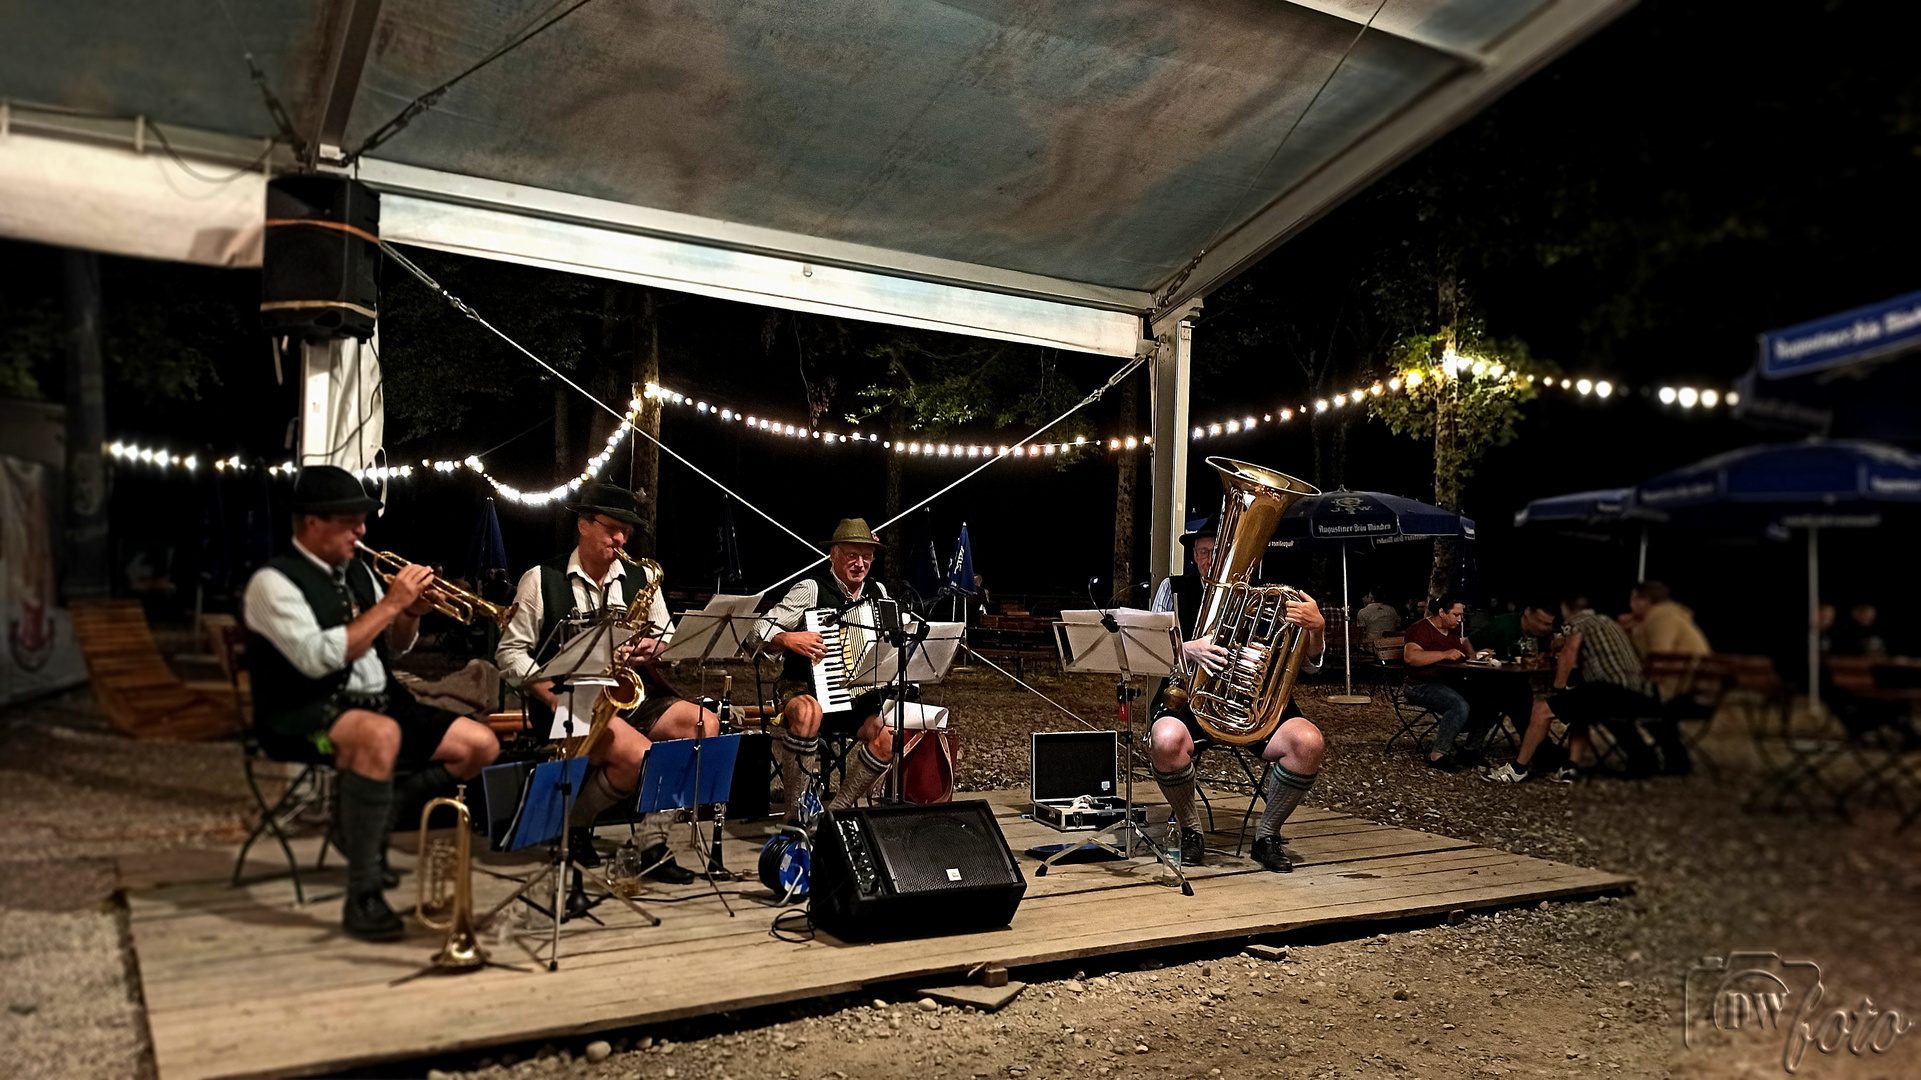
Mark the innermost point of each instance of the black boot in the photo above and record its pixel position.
(580, 848)
(388, 877)
(1193, 847)
(1269, 853)
(668, 872)
(364, 807)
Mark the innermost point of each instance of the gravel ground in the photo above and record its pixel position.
(1583, 989)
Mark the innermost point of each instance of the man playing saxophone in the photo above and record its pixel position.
(591, 578)
(1295, 748)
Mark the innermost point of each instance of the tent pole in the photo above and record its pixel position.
(1814, 621)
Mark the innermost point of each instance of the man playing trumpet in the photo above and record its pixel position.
(592, 577)
(323, 685)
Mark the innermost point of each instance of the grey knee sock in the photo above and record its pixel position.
(799, 762)
(652, 830)
(861, 775)
(364, 807)
(596, 794)
(1284, 791)
(1178, 787)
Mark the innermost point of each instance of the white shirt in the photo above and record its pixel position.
(515, 654)
(1164, 601)
(276, 609)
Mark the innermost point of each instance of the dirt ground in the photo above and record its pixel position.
(1572, 989)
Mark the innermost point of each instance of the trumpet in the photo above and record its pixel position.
(455, 602)
(446, 884)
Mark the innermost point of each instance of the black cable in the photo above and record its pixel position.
(272, 101)
(432, 97)
(780, 933)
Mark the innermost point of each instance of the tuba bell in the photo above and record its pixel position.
(446, 883)
(1243, 703)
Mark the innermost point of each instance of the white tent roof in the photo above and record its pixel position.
(1049, 170)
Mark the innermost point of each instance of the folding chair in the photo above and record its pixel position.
(1417, 722)
(310, 783)
(1795, 758)
(1255, 780)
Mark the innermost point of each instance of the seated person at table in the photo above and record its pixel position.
(1857, 635)
(1504, 634)
(1610, 690)
(1434, 640)
(1376, 619)
(1657, 623)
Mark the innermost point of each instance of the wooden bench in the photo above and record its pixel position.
(140, 693)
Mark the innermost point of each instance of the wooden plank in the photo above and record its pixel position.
(244, 982)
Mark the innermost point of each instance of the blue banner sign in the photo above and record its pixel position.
(1861, 334)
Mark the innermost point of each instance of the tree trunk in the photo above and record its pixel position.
(645, 468)
(1129, 470)
(896, 575)
(564, 462)
(88, 571)
(1447, 437)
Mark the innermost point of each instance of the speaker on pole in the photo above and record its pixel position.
(912, 871)
(320, 259)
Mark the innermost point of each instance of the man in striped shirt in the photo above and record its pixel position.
(1611, 690)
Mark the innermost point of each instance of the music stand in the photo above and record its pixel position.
(578, 670)
(1123, 642)
(710, 634)
(678, 772)
(929, 649)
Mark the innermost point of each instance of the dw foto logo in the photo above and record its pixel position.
(1762, 995)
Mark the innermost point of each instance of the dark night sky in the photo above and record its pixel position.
(1713, 172)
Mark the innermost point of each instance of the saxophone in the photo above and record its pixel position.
(629, 690)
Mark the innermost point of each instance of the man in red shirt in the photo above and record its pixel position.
(1431, 641)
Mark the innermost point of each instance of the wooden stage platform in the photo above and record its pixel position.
(244, 982)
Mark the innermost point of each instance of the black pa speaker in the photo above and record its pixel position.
(912, 871)
(320, 261)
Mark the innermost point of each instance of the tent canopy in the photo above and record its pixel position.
(1048, 171)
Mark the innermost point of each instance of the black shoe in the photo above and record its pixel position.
(580, 848)
(1193, 847)
(1446, 763)
(1470, 757)
(1269, 853)
(367, 917)
(668, 872)
(388, 878)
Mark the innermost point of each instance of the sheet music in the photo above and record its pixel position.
(563, 717)
(717, 630)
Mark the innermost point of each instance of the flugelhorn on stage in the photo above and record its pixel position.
(1242, 703)
(446, 883)
(455, 602)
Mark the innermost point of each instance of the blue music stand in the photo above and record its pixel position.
(543, 813)
(668, 782)
(688, 774)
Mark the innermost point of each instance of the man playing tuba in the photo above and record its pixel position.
(590, 578)
(1295, 748)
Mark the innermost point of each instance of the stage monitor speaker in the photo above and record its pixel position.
(320, 261)
(912, 871)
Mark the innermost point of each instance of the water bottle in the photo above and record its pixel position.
(1171, 842)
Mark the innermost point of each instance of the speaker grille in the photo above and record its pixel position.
(939, 852)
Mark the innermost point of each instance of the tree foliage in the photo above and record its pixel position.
(942, 384)
(1481, 385)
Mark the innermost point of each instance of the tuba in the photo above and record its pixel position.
(1243, 703)
(446, 883)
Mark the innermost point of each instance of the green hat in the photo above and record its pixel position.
(852, 531)
(330, 489)
(618, 503)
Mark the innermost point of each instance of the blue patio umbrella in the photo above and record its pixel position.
(1774, 488)
(1605, 506)
(923, 560)
(959, 581)
(727, 572)
(1374, 517)
(486, 549)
